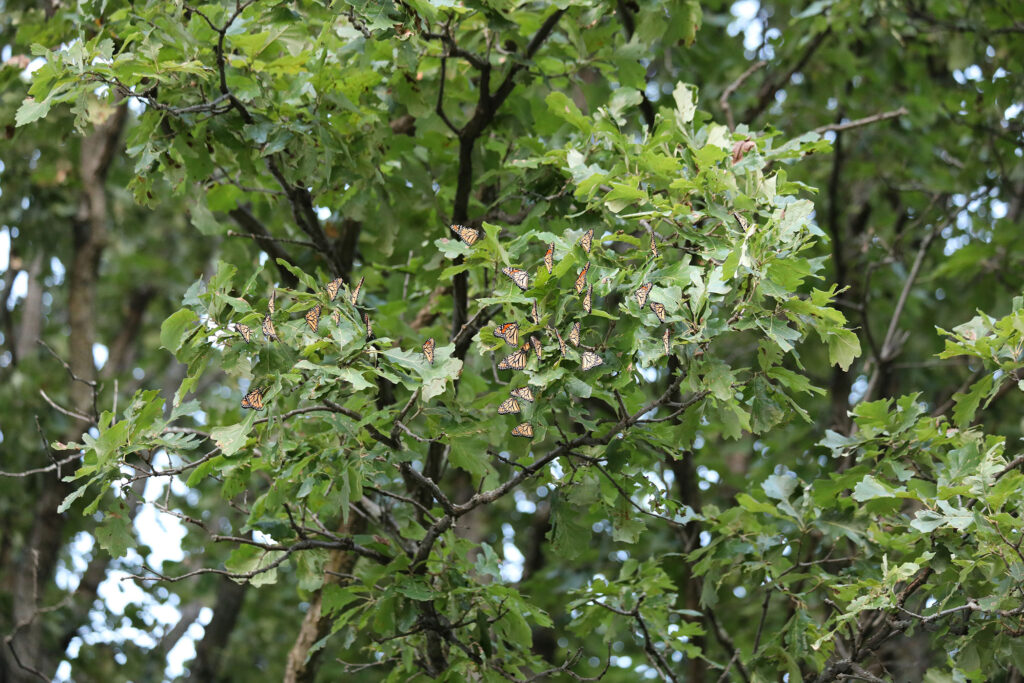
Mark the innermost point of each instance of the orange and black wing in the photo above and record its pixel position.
(467, 235)
(428, 350)
(253, 400)
(641, 294)
(659, 310)
(268, 328)
(508, 406)
(587, 240)
(581, 279)
(313, 317)
(574, 334)
(336, 317)
(590, 360)
(333, 287)
(561, 343)
(549, 257)
(272, 302)
(536, 347)
(509, 332)
(369, 326)
(245, 331)
(515, 360)
(524, 393)
(534, 315)
(518, 276)
(524, 430)
(588, 300)
(654, 246)
(664, 340)
(355, 292)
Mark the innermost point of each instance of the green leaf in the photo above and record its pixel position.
(843, 348)
(779, 487)
(115, 535)
(31, 110)
(175, 328)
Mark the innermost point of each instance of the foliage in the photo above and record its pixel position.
(747, 483)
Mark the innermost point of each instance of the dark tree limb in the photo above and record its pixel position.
(252, 225)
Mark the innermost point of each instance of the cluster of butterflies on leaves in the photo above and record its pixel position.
(254, 398)
(510, 331)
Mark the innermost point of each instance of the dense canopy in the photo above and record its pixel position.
(516, 341)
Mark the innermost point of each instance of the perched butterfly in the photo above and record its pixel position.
(253, 400)
(587, 240)
(590, 360)
(641, 294)
(428, 350)
(336, 317)
(272, 302)
(536, 347)
(561, 343)
(524, 393)
(313, 317)
(519, 277)
(467, 235)
(509, 332)
(581, 279)
(508, 406)
(742, 221)
(664, 340)
(369, 326)
(524, 430)
(268, 328)
(654, 246)
(549, 257)
(515, 360)
(355, 292)
(574, 334)
(333, 287)
(245, 331)
(588, 299)
(659, 310)
(533, 313)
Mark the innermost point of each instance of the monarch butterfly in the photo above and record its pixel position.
(664, 340)
(268, 328)
(659, 310)
(524, 393)
(467, 235)
(591, 360)
(271, 303)
(524, 430)
(549, 257)
(313, 317)
(509, 332)
(561, 343)
(515, 360)
(253, 400)
(581, 279)
(336, 317)
(245, 331)
(519, 277)
(428, 350)
(533, 313)
(333, 287)
(587, 240)
(742, 221)
(574, 334)
(654, 246)
(508, 406)
(355, 292)
(536, 347)
(588, 299)
(641, 294)
(369, 326)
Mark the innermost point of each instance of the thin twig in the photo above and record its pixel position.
(867, 120)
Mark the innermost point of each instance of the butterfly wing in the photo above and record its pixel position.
(428, 350)
(272, 302)
(549, 257)
(268, 328)
(664, 340)
(591, 360)
(524, 430)
(525, 393)
(641, 294)
(536, 347)
(333, 287)
(518, 277)
(336, 317)
(515, 360)
(369, 326)
(659, 310)
(509, 332)
(245, 331)
(587, 240)
(467, 235)
(253, 400)
(654, 246)
(355, 292)
(574, 334)
(588, 299)
(581, 279)
(313, 317)
(508, 406)
(561, 343)
(534, 314)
